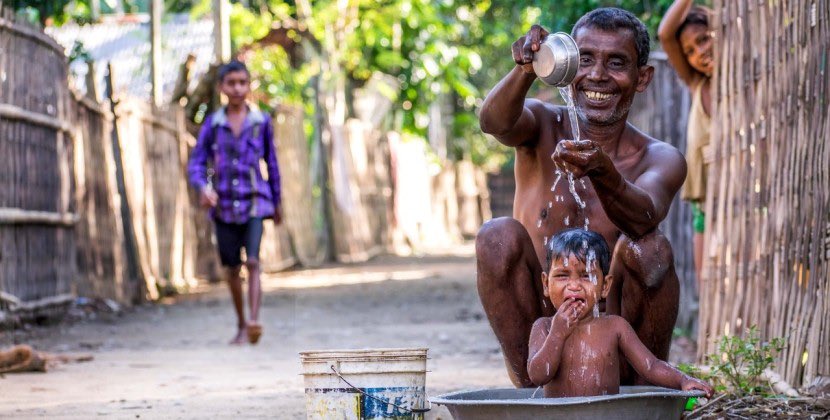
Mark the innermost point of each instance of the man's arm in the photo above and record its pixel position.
(635, 206)
(649, 366)
(638, 207)
(505, 113)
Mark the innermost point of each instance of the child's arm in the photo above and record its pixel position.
(273, 169)
(650, 367)
(666, 33)
(547, 337)
(197, 164)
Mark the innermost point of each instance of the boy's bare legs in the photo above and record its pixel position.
(510, 288)
(645, 279)
(254, 299)
(235, 286)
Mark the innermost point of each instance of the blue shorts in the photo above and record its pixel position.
(232, 237)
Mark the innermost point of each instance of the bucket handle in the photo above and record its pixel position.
(409, 410)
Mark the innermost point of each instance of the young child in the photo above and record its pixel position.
(688, 43)
(577, 352)
(234, 140)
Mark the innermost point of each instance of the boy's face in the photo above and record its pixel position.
(236, 85)
(569, 278)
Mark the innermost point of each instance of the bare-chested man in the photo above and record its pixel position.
(629, 182)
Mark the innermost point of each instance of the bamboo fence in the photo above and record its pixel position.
(37, 214)
(767, 213)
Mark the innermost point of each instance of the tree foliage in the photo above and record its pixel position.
(448, 50)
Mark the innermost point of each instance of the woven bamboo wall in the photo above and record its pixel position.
(767, 248)
(36, 206)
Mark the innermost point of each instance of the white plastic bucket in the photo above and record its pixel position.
(365, 384)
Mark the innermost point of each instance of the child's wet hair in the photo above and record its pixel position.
(578, 242)
(230, 67)
(698, 15)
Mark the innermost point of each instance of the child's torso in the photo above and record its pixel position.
(590, 363)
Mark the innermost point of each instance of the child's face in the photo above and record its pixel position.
(696, 42)
(236, 85)
(569, 279)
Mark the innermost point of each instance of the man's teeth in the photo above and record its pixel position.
(597, 96)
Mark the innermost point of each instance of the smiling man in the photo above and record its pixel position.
(627, 181)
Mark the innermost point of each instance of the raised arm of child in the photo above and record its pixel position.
(547, 337)
(666, 33)
(650, 367)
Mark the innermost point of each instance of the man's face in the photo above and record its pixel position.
(608, 75)
(696, 42)
(569, 278)
(236, 85)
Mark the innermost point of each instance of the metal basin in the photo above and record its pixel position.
(633, 402)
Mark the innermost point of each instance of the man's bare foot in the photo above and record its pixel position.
(254, 332)
(240, 337)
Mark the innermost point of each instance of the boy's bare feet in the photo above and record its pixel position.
(254, 332)
(240, 337)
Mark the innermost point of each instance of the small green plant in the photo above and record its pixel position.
(739, 363)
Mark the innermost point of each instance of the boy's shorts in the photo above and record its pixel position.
(232, 237)
(698, 218)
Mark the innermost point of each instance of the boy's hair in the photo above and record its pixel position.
(698, 15)
(230, 67)
(613, 19)
(579, 242)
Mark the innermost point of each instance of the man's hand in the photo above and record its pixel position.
(527, 45)
(278, 215)
(582, 157)
(567, 315)
(208, 198)
(689, 384)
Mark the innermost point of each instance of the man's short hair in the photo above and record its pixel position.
(230, 67)
(613, 19)
(698, 15)
(579, 243)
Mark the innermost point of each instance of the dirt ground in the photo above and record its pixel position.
(171, 360)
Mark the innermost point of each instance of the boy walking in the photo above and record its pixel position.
(225, 168)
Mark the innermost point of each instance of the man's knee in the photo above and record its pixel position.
(650, 255)
(499, 241)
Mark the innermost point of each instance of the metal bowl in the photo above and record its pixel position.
(557, 60)
(632, 403)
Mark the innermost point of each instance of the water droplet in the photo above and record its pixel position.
(567, 220)
(539, 223)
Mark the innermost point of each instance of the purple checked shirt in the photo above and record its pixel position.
(243, 191)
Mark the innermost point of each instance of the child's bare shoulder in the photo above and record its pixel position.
(543, 322)
(613, 322)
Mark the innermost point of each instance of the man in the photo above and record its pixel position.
(626, 179)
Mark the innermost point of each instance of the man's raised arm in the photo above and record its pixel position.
(505, 113)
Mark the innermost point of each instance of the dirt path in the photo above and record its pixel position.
(171, 360)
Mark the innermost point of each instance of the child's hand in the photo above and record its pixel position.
(208, 198)
(689, 384)
(566, 317)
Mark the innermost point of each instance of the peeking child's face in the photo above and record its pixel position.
(569, 278)
(236, 85)
(696, 42)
